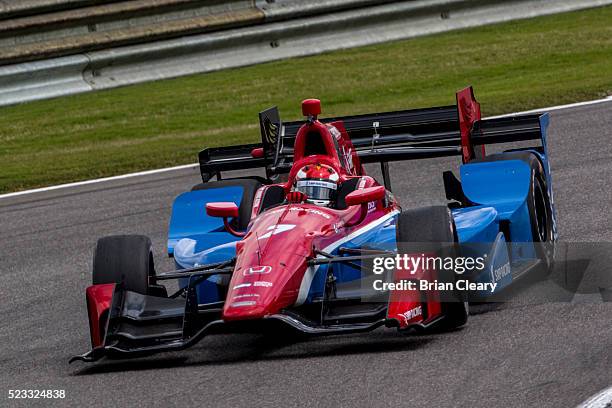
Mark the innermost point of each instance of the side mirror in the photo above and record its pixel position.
(224, 210)
(365, 195)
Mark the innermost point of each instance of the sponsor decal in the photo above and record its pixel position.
(498, 274)
(371, 206)
(262, 284)
(334, 131)
(243, 304)
(242, 285)
(256, 270)
(246, 295)
(314, 211)
(311, 211)
(277, 229)
(316, 183)
(308, 210)
(411, 314)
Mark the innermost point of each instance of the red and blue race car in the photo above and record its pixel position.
(302, 248)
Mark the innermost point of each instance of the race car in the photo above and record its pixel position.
(298, 248)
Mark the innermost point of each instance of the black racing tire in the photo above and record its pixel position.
(250, 187)
(432, 229)
(540, 213)
(124, 259)
(538, 203)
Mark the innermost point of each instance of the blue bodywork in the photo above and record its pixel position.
(189, 219)
(497, 189)
(194, 238)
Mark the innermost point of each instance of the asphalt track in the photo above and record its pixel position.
(537, 350)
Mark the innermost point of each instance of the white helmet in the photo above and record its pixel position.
(319, 182)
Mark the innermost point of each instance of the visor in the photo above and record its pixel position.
(317, 189)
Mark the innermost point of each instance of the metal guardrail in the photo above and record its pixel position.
(283, 35)
(15, 8)
(113, 24)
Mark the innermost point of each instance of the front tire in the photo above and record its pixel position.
(124, 259)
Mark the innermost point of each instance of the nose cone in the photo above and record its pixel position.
(271, 261)
(311, 107)
(244, 310)
(257, 291)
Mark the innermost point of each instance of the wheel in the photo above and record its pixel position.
(540, 214)
(538, 204)
(249, 186)
(433, 230)
(124, 259)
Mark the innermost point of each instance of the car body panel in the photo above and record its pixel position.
(189, 219)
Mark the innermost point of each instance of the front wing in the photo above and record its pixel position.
(129, 324)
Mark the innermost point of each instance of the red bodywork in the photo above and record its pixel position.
(271, 266)
(99, 299)
(271, 271)
(410, 307)
(469, 112)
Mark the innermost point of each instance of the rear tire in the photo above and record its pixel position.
(538, 204)
(540, 214)
(433, 229)
(124, 259)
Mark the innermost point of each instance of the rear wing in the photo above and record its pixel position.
(383, 137)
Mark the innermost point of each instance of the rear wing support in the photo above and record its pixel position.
(384, 169)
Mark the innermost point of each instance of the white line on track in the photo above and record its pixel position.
(100, 180)
(602, 399)
(187, 166)
(554, 108)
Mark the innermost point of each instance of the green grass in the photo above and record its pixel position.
(513, 66)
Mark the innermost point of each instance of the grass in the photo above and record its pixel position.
(513, 66)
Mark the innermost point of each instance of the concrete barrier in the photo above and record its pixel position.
(17, 8)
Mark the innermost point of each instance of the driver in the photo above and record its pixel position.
(319, 182)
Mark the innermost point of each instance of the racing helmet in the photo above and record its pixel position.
(319, 182)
